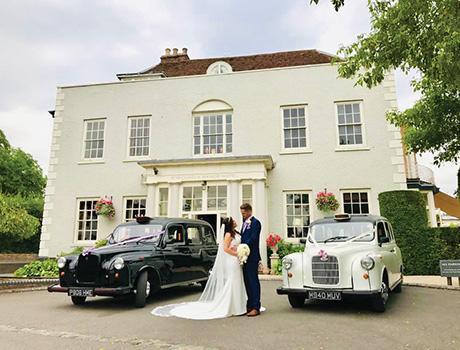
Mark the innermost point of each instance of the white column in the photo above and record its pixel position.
(174, 200)
(260, 212)
(431, 209)
(234, 201)
(151, 200)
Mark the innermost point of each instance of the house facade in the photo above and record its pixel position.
(198, 137)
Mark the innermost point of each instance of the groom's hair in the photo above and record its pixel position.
(246, 206)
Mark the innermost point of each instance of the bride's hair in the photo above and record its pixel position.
(228, 224)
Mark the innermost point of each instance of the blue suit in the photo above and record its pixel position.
(250, 235)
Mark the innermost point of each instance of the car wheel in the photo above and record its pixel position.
(296, 300)
(379, 301)
(142, 290)
(78, 300)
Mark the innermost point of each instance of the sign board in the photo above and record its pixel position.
(450, 268)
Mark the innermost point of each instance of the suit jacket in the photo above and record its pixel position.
(251, 236)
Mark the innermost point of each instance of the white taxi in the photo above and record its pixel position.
(345, 254)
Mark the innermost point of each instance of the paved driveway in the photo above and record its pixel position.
(418, 318)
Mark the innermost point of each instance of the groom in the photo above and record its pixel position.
(250, 234)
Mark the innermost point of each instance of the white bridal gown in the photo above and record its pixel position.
(223, 296)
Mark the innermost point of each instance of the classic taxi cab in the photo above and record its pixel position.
(345, 255)
(142, 257)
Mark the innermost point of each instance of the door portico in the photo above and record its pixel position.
(208, 186)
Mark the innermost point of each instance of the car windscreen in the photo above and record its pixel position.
(342, 231)
(125, 232)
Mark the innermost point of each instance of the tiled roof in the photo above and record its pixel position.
(181, 65)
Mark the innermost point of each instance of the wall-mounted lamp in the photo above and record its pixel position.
(204, 184)
(155, 171)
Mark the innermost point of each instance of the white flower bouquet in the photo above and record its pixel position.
(243, 252)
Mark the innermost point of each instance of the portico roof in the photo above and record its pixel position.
(266, 159)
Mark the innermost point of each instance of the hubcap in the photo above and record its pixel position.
(147, 289)
(384, 292)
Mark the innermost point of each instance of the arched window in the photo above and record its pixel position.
(219, 67)
(212, 128)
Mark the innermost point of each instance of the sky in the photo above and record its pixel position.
(50, 43)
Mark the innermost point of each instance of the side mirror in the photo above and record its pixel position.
(303, 241)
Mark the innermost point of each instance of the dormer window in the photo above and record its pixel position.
(219, 67)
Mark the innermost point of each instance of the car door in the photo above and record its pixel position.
(176, 254)
(195, 244)
(386, 250)
(397, 253)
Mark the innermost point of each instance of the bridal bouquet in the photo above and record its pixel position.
(243, 252)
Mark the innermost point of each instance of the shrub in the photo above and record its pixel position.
(39, 268)
(286, 248)
(422, 247)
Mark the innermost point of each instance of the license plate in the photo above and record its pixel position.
(81, 292)
(324, 295)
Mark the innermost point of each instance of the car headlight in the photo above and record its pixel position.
(61, 262)
(287, 263)
(119, 263)
(367, 263)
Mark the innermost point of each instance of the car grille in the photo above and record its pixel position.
(325, 272)
(87, 268)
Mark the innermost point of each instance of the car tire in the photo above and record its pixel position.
(142, 289)
(78, 300)
(296, 300)
(379, 301)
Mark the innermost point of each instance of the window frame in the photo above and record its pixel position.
(247, 183)
(125, 200)
(128, 136)
(219, 64)
(201, 115)
(285, 221)
(204, 198)
(359, 190)
(362, 145)
(85, 130)
(84, 242)
(158, 202)
(292, 150)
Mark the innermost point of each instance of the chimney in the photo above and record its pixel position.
(175, 56)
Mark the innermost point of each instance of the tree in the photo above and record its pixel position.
(425, 36)
(15, 222)
(19, 172)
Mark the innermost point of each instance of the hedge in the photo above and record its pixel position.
(422, 247)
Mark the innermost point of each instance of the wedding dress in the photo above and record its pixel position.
(223, 296)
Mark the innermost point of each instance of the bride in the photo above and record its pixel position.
(224, 294)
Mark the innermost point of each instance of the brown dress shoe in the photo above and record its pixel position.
(253, 313)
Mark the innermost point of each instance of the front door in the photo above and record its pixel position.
(211, 219)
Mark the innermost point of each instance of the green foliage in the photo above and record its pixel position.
(337, 3)
(101, 243)
(19, 172)
(422, 247)
(74, 251)
(39, 268)
(15, 222)
(286, 248)
(415, 35)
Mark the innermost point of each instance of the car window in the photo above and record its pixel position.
(389, 231)
(208, 235)
(343, 231)
(175, 234)
(125, 232)
(193, 235)
(381, 232)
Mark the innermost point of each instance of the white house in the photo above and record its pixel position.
(197, 137)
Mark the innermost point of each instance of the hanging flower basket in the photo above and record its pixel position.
(326, 202)
(105, 207)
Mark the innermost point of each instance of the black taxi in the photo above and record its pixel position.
(141, 257)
